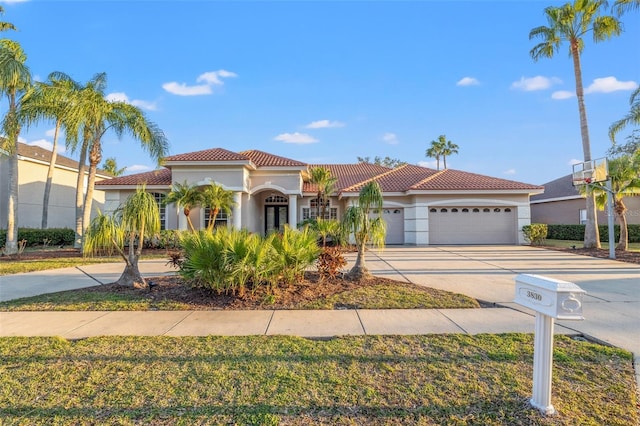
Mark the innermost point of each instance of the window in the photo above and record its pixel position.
(432, 210)
(476, 210)
(311, 211)
(507, 210)
(497, 210)
(454, 210)
(222, 219)
(583, 216)
(465, 210)
(159, 197)
(276, 199)
(443, 210)
(485, 210)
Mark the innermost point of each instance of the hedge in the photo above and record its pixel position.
(576, 232)
(36, 237)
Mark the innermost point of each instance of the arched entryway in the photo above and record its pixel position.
(276, 213)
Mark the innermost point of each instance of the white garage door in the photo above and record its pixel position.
(395, 225)
(472, 225)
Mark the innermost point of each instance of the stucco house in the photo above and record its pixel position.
(33, 164)
(561, 203)
(422, 206)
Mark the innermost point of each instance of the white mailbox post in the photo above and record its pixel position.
(550, 299)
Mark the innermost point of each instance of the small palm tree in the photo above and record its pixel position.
(325, 184)
(357, 220)
(111, 166)
(218, 200)
(138, 217)
(571, 23)
(186, 196)
(632, 118)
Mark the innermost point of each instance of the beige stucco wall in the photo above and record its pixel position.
(32, 177)
(232, 178)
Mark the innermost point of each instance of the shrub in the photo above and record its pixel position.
(330, 262)
(535, 233)
(295, 251)
(167, 239)
(576, 232)
(36, 237)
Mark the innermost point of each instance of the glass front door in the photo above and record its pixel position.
(275, 218)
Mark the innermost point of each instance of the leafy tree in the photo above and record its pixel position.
(186, 196)
(624, 172)
(366, 229)
(570, 23)
(15, 79)
(441, 148)
(138, 217)
(387, 161)
(325, 185)
(632, 118)
(217, 199)
(111, 165)
(631, 147)
(45, 101)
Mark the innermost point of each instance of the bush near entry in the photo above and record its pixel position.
(535, 233)
(576, 232)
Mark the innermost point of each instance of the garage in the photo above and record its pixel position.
(472, 225)
(395, 225)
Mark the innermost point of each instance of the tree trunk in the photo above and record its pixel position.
(623, 242)
(47, 185)
(131, 276)
(82, 167)
(187, 213)
(11, 244)
(359, 270)
(94, 159)
(591, 233)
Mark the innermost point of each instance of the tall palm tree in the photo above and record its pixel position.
(623, 6)
(441, 148)
(625, 181)
(217, 199)
(186, 196)
(434, 151)
(571, 23)
(49, 100)
(632, 118)
(325, 185)
(5, 26)
(366, 229)
(138, 217)
(111, 165)
(448, 148)
(15, 79)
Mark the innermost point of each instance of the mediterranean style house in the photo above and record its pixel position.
(33, 164)
(422, 206)
(563, 204)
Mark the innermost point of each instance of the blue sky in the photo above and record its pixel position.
(325, 82)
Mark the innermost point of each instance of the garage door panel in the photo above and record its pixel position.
(472, 225)
(395, 225)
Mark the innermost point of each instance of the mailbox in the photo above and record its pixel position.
(554, 298)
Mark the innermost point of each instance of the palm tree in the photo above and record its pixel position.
(625, 181)
(434, 152)
(5, 26)
(138, 217)
(185, 196)
(325, 185)
(15, 79)
(111, 165)
(441, 148)
(632, 118)
(217, 199)
(357, 220)
(49, 100)
(570, 23)
(623, 6)
(448, 148)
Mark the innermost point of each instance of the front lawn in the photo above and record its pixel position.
(364, 380)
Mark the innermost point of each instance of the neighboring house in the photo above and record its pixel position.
(33, 164)
(421, 206)
(562, 204)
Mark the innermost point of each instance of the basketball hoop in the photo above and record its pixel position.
(587, 180)
(590, 172)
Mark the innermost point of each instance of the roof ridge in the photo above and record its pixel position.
(381, 175)
(428, 178)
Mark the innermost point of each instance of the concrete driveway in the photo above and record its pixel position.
(487, 273)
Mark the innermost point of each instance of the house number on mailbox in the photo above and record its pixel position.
(533, 295)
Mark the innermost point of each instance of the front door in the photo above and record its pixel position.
(275, 218)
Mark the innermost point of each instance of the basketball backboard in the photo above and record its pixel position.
(589, 172)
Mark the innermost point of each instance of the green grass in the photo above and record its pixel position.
(580, 244)
(393, 380)
(19, 266)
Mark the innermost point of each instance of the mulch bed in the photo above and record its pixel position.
(623, 256)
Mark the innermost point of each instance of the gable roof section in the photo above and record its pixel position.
(208, 155)
(456, 180)
(558, 188)
(264, 159)
(347, 174)
(159, 177)
(397, 180)
(37, 153)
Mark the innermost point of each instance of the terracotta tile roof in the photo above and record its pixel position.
(399, 179)
(561, 187)
(264, 159)
(348, 174)
(214, 154)
(456, 180)
(41, 154)
(155, 177)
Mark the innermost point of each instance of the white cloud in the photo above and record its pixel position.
(14, 1)
(609, 84)
(51, 132)
(562, 94)
(45, 144)
(122, 97)
(210, 78)
(324, 124)
(296, 137)
(574, 161)
(510, 172)
(529, 84)
(137, 168)
(21, 139)
(428, 164)
(390, 138)
(468, 81)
